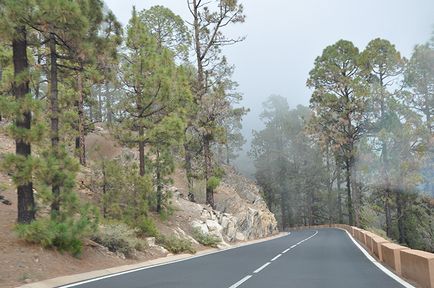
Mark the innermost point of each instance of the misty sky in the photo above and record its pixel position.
(285, 36)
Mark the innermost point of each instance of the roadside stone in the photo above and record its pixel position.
(213, 225)
(150, 241)
(240, 236)
(7, 202)
(200, 225)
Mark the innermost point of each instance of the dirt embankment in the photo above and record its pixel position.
(241, 215)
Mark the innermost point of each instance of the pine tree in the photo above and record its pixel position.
(384, 66)
(154, 88)
(16, 12)
(61, 24)
(339, 101)
(210, 88)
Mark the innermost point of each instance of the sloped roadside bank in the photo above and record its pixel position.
(61, 281)
(24, 263)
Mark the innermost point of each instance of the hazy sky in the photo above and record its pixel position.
(285, 36)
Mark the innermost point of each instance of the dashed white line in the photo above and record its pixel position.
(276, 257)
(241, 281)
(268, 263)
(262, 267)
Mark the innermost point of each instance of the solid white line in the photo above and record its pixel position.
(262, 267)
(381, 267)
(157, 265)
(286, 250)
(276, 257)
(241, 281)
(293, 246)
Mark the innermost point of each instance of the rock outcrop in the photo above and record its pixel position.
(240, 214)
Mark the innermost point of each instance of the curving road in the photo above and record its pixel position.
(312, 258)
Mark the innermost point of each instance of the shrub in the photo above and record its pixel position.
(175, 245)
(65, 234)
(147, 228)
(213, 182)
(205, 239)
(118, 237)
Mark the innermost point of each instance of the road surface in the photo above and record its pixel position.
(312, 258)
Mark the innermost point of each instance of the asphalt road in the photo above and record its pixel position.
(312, 258)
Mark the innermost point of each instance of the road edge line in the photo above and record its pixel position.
(67, 282)
(378, 264)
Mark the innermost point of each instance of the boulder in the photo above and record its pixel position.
(197, 224)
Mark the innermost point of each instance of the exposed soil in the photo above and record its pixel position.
(22, 263)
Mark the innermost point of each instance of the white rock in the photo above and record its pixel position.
(223, 245)
(150, 241)
(200, 225)
(214, 226)
(240, 236)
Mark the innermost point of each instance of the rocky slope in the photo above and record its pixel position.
(241, 215)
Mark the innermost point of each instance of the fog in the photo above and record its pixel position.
(284, 37)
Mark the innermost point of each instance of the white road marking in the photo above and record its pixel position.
(379, 266)
(262, 267)
(276, 257)
(268, 263)
(241, 281)
(157, 265)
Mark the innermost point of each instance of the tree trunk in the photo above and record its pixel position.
(338, 184)
(81, 137)
(188, 168)
(104, 190)
(329, 187)
(159, 184)
(228, 160)
(400, 216)
(100, 118)
(142, 151)
(283, 211)
(26, 202)
(108, 101)
(54, 103)
(385, 167)
(208, 167)
(349, 197)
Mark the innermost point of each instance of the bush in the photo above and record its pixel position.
(118, 237)
(65, 235)
(175, 245)
(147, 228)
(205, 239)
(213, 182)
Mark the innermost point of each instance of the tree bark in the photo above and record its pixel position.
(349, 197)
(400, 216)
(142, 151)
(208, 168)
(338, 184)
(159, 183)
(54, 103)
(108, 101)
(81, 133)
(188, 168)
(104, 190)
(26, 202)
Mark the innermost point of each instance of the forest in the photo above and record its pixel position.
(360, 154)
(67, 65)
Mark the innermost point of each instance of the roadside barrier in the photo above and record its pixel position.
(414, 265)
